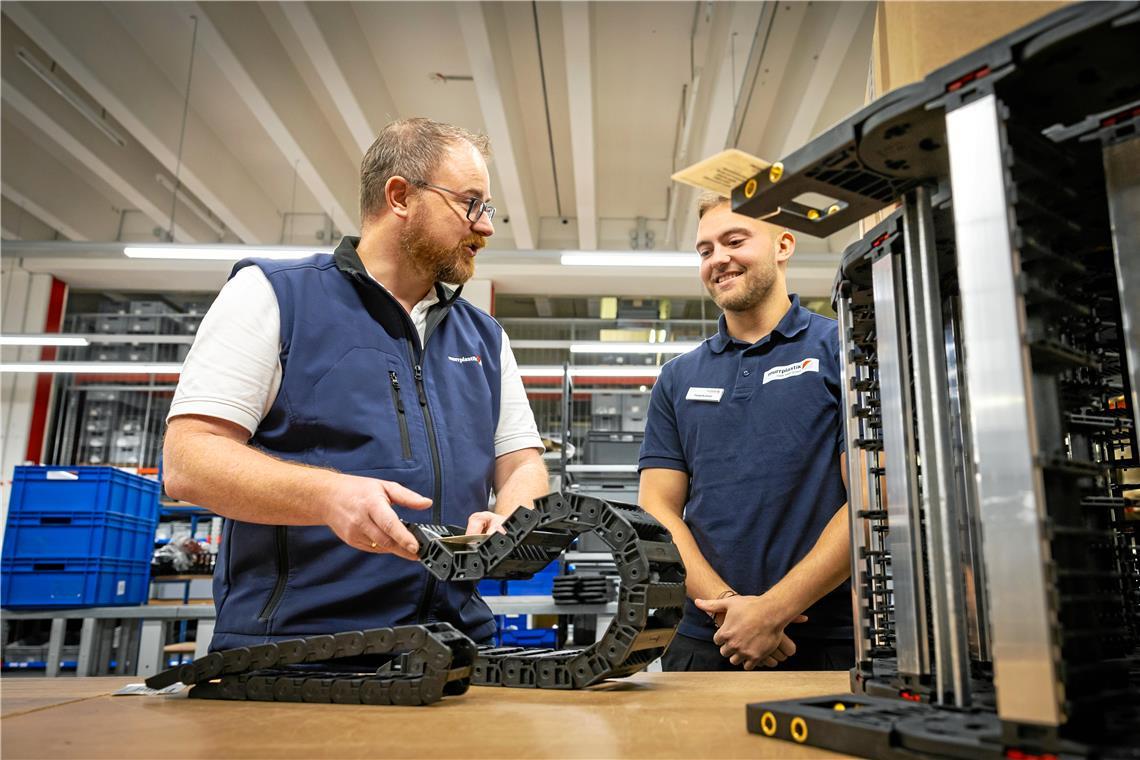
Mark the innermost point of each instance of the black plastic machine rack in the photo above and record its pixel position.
(428, 662)
(990, 339)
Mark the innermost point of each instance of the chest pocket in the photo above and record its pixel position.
(363, 405)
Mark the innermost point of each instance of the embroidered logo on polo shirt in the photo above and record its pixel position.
(464, 359)
(791, 370)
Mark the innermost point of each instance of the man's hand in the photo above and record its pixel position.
(752, 632)
(485, 522)
(359, 510)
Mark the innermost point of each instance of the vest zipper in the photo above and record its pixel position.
(280, 543)
(405, 444)
(437, 489)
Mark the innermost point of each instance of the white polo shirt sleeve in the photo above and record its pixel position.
(233, 370)
(516, 429)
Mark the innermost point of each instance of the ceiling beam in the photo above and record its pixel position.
(716, 91)
(841, 34)
(109, 157)
(236, 63)
(495, 89)
(776, 55)
(98, 53)
(21, 224)
(94, 159)
(580, 93)
(324, 62)
(47, 216)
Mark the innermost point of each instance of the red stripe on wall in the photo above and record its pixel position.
(41, 406)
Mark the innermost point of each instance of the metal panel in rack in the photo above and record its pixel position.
(903, 506)
(939, 505)
(1122, 178)
(973, 566)
(1010, 487)
(857, 501)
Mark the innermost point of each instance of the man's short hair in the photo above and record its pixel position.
(409, 148)
(710, 200)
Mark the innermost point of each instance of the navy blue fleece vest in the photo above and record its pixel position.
(350, 400)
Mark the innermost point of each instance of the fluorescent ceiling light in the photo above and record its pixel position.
(216, 252)
(600, 371)
(42, 340)
(603, 347)
(93, 368)
(71, 96)
(629, 259)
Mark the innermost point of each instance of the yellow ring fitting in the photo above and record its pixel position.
(750, 188)
(775, 172)
(832, 209)
(768, 724)
(812, 214)
(799, 730)
(839, 707)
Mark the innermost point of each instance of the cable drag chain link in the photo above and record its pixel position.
(650, 597)
(433, 661)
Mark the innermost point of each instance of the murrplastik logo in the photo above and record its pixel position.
(465, 359)
(791, 370)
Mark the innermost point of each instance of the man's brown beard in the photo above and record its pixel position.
(453, 265)
(759, 280)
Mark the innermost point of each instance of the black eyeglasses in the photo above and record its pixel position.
(475, 206)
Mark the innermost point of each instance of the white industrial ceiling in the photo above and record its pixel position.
(590, 107)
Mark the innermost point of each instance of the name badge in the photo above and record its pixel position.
(705, 394)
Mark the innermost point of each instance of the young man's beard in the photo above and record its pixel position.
(758, 281)
(453, 264)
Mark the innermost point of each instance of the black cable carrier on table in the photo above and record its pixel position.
(435, 660)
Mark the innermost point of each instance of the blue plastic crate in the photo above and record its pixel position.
(75, 490)
(81, 535)
(67, 582)
(530, 637)
(540, 584)
(491, 588)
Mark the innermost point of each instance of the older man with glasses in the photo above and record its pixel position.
(328, 398)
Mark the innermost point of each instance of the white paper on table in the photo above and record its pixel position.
(142, 690)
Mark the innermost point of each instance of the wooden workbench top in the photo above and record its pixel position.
(659, 715)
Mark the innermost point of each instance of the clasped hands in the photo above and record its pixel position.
(751, 630)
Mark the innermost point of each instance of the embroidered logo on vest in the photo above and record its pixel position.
(464, 359)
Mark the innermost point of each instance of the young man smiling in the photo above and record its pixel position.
(743, 462)
(327, 398)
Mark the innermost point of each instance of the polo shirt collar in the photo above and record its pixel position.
(794, 321)
(386, 310)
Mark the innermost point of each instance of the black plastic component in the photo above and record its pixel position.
(432, 661)
(436, 660)
(650, 598)
(1086, 51)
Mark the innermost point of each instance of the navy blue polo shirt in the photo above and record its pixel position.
(758, 428)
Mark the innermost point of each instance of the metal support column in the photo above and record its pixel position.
(973, 568)
(856, 484)
(903, 514)
(1010, 486)
(151, 641)
(202, 638)
(940, 504)
(1122, 180)
(88, 647)
(55, 646)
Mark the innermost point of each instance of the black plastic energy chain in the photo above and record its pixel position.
(432, 661)
(650, 598)
(436, 660)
